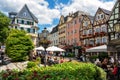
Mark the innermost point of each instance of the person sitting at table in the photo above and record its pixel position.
(61, 60)
(114, 71)
(56, 61)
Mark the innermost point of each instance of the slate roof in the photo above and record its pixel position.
(65, 18)
(29, 14)
(91, 18)
(55, 29)
(105, 11)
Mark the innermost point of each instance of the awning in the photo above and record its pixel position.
(102, 48)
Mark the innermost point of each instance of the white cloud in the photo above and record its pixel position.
(46, 15)
(86, 5)
(38, 7)
(50, 28)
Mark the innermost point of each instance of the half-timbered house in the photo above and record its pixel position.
(114, 29)
(86, 32)
(100, 26)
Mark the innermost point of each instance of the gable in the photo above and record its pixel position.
(101, 16)
(87, 21)
(26, 14)
(114, 17)
(61, 20)
(98, 15)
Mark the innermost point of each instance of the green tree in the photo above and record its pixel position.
(18, 45)
(4, 23)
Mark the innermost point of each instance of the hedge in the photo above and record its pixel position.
(64, 71)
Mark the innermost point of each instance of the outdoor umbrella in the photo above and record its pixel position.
(54, 48)
(40, 48)
(102, 48)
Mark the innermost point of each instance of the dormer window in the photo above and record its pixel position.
(98, 17)
(24, 14)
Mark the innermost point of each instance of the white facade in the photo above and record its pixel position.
(25, 20)
(54, 39)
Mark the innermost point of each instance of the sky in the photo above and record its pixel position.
(48, 12)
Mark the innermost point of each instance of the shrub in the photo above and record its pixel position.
(64, 71)
(31, 64)
(18, 45)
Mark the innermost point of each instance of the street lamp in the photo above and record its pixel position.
(45, 44)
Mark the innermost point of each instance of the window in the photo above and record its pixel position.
(75, 22)
(104, 39)
(28, 30)
(25, 22)
(98, 40)
(102, 16)
(19, 21)
(28, 23)
(85, 23)
(33, 30)
(22, 22)
(90, 31)
(24, 14)
(91, 41)
(104, 29)
(98, 17)
(86, 41)
(84, 32)
(97, 30)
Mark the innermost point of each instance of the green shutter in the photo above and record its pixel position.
(33, 30)
(22, 21)
(28, 30)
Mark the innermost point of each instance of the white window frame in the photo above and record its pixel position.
(90, 31)
(104, 28)
(103, 39)
(98, 40)
(97, 29)
(91, 40)
(101, 16)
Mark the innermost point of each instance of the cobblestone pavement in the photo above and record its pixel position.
(22, 65)
(17, 65)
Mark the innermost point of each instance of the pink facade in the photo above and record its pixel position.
(72, 32)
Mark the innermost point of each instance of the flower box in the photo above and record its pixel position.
(102, 32)
(84, 35)
(96, 33)
(90, 45)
